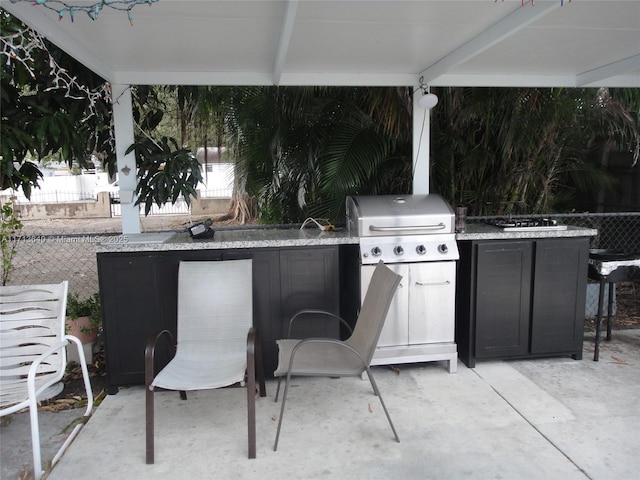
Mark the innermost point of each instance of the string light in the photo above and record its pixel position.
(92, 9)
(21, 46)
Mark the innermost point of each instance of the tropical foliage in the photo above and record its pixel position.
(51, 105)
(10, 226)
(45, 111)
(528, 150)
(165, 172)
(301, 150)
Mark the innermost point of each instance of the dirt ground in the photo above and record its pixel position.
(628, 308)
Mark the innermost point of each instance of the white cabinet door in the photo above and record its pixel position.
(432, 302)
(423, 308)
(396, 325)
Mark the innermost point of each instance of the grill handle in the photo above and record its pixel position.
(416, 228)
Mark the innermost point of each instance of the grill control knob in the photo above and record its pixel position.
(442, 248)
(398, 250)
(421, 249)
(376, 251)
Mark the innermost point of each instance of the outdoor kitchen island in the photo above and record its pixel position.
(500, 276)
(292, 269)
(521, 294)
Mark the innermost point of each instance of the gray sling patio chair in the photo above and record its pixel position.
(328, 357)
(217, 345)
(33, 356)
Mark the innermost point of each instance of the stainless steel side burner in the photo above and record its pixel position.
(526, 224)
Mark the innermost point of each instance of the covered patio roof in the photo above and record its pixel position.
(545, 43)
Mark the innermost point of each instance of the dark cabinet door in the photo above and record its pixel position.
(266, 300)
(310, 280)
(503, 293)
(139, 298)
(131, 311)
(557, 323)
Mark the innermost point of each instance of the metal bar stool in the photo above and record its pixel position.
(609, 267)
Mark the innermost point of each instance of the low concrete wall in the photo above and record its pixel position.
(101, 208)
(209, 206)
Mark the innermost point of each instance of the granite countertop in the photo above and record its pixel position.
(227, 239)
(293, 237)
(482, 231)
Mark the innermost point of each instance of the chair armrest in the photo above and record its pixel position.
(254, 359)
(33, 370)
(318, 312)
(85, 372)
(150, 351)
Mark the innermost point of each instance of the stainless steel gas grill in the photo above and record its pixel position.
(414, 235)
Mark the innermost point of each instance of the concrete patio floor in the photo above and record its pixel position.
(552, 418)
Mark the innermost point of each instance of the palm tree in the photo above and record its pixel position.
(301, 150)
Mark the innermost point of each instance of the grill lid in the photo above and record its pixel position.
(383, 215)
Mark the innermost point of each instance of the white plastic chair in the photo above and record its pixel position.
(217, 345)
(33, 355)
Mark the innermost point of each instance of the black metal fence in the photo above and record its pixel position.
(53, 258)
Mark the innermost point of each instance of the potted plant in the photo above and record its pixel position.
(83, 317)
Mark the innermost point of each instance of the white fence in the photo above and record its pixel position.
(218, 179)
(63, 188)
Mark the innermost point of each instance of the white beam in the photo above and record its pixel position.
(503, 80)
(126, 163)
(36, 19)
(614, 69)
(496, 33)
(135, 77)
(373, 79)
(285, 38)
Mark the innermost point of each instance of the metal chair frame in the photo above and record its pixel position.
(374, 310)
(254, 365)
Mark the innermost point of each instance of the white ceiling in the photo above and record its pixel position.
(355, 42)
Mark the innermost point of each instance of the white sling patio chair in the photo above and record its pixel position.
(328, 357)
(217, 345)
(33, 356)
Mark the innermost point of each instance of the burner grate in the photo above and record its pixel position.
(526, 224)
(522, 222)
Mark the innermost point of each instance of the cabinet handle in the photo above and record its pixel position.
(426, 284)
